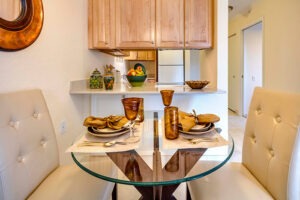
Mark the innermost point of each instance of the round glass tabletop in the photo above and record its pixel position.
(151, 166)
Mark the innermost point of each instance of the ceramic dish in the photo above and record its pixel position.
(208, 133)
(106, 130)
(107, 134)
(211, 128)
(201, 127)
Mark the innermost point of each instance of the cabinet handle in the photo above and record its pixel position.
(152, 42)
(106, 43)
(180, 42)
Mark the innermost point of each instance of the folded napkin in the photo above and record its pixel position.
(207, 118)
(186, 120)
(113, 121)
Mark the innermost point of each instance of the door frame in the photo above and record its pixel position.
(253, 23)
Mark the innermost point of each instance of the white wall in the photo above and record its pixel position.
(281, 19)
(58, 56)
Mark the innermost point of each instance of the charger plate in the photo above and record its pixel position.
(107, 132)
(210, 128)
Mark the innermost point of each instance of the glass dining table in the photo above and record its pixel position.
(155, 171)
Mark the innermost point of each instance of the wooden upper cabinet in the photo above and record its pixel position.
(198, 23)
(170, 23)
(150, 24)
(135, 24)
(149, 55)
(101, 24)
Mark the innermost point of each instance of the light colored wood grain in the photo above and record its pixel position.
(101, 24)
(198, 23)
(169, 23)
(135, 24)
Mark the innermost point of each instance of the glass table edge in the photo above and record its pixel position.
(171, 182)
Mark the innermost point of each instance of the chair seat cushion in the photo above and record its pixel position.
(71, 182)
(231, 182)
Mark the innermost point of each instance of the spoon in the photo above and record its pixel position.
(198, 140)
(111, 143)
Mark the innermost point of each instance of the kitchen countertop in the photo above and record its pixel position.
(82, 87)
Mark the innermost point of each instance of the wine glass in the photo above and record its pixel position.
(131, 108)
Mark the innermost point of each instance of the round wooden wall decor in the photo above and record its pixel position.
(22, 32)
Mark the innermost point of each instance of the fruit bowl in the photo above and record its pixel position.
(136, 81)
(197, 84)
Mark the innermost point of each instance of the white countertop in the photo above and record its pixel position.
(82, 87)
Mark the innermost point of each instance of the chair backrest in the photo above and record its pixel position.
(270, 134)
(294, 173)
(28, 148)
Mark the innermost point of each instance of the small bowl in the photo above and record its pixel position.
(197, 84)
(136, 81)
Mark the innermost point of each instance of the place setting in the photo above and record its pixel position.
(113, 133)
(182, 130)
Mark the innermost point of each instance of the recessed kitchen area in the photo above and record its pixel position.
(164, 66)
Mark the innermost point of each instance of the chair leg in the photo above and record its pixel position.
(114, 194)
(188, 195)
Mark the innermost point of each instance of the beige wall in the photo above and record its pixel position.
(58, 56)
(281, 31)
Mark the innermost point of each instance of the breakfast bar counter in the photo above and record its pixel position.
(82, 87)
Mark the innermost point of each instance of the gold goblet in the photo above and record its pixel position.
(167, 96)
(131, 108)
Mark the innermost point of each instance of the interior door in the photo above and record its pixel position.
(253, 72)
(234, 75)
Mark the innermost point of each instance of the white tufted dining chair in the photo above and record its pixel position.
(271, 154)
(29, 163)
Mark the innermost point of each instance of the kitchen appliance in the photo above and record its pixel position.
(170, 67)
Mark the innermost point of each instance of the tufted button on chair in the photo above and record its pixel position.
(29, 163)
(270, 167)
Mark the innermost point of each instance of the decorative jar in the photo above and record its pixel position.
(96, 80)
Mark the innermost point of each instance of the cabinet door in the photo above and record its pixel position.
(135, 23)
(170, 23)
(101, 24)
(198, 23)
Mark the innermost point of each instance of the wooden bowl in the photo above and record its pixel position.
(197, 84)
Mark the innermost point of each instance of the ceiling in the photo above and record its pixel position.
(239, 7)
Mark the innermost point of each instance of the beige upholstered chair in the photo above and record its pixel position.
(271, 154)
(29, 164)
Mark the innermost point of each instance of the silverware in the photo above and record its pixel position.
(106, 144)
(203, 139)
(195, 116)
(111, 143)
